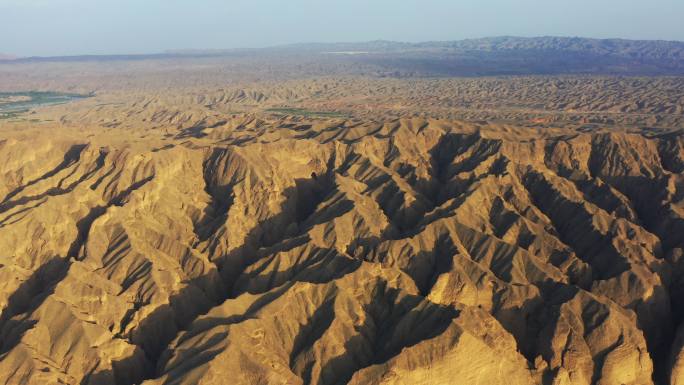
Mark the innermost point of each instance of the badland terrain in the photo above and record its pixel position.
(491, 211)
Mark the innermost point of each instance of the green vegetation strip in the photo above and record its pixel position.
(35, 98)
(14, 104)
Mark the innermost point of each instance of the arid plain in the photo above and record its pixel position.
(326, 215)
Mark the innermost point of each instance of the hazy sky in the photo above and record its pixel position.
(67, 27)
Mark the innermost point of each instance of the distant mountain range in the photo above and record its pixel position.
(504, 55)
(620, 47)
(656, 49)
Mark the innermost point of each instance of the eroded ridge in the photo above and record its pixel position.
(256, 251)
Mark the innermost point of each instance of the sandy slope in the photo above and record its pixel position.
(246, 249)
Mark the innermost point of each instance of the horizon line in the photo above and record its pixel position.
(208, 52)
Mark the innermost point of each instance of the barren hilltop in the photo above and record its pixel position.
(277, 218)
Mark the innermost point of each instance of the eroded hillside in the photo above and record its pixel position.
(252, 250)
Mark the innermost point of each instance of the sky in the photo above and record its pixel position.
(75, 27)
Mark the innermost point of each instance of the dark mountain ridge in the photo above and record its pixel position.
(493, 56)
